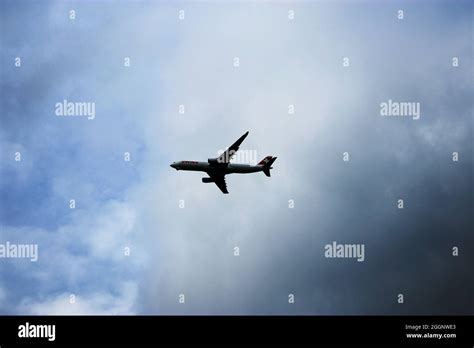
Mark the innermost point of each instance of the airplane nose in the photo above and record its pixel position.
(173, 165)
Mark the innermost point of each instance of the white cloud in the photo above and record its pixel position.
(89, 304)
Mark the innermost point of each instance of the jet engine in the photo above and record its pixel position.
(207, 180)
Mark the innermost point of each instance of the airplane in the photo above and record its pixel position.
(218, 168)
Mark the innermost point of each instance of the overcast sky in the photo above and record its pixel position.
(190, 250)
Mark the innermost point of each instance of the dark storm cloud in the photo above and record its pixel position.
(408, 251)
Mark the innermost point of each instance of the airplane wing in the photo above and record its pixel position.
(219, 180)
(229, 153)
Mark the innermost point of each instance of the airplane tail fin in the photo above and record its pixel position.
(266, 163)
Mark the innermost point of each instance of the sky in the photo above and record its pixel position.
(181, 234)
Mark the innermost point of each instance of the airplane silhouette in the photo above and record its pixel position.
(218, 168)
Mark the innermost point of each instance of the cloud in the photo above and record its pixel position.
(190, 251)
(337, 111)
(91, 304)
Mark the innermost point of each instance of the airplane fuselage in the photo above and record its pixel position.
(230, 168)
